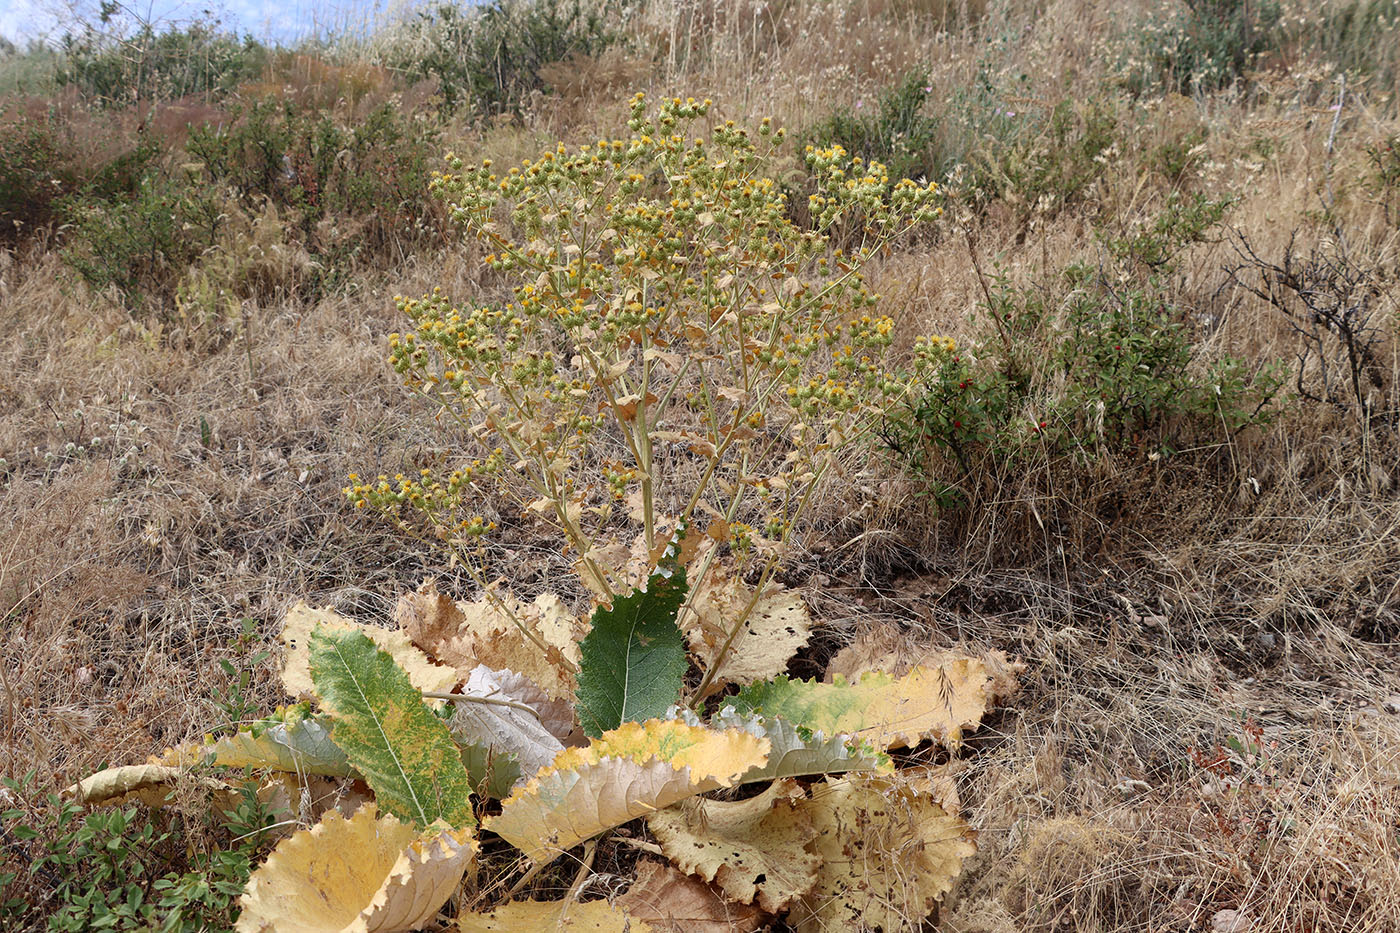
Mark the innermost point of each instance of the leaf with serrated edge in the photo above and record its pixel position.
(296, 636)
(465, 634)
(795, 752)
(627, 772)
(367, 874)
(755, 848)
(565, 916)
(888, 712)
(404, 752)
(503, 728)
(776, 629)
(888, 853)
(633, 659)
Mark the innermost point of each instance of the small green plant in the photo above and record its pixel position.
(125, 869)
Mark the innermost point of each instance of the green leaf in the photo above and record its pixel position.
(380, 721)
(633, 659)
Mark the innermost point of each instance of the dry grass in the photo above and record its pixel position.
(1246, 592)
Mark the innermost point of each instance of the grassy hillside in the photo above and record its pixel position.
(1160, 465)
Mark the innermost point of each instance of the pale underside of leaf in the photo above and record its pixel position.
(887, 712)
(300, 747)
(366, 874)
(752, 849)
(888, 853)
(544, 916)
(301, 620)
(798, 753)
(503, 729)
(629, 772)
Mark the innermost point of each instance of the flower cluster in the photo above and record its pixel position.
(672, 335)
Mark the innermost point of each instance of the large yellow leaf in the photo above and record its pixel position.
(888, 852)
(466, 634)
(367, 874)
(296, 636)
(888, 712)
(776, 629)
(755, 848)
(150, 784)
(886, 647)
(545, 916)
(625, 773)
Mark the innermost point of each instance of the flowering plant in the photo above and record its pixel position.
(677, 351)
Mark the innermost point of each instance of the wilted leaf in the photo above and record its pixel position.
(404, 752)
(467, 634)
(150, 784)
(775, 630)
(886, 648)
(888, 853)
(543, 916)
(755, 848)
(505, 729)
(367, 874)
(628, 772)
(296, 636)
(669, 900)
(633, 658)
(887, 712)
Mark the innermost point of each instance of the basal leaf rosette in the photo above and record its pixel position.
(625, 773)
(366, 874)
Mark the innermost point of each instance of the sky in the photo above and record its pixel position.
(269, 20)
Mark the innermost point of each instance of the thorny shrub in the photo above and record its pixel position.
(669, 320)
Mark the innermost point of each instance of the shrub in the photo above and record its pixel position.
(151, 66)
(493, 57)
(37, 168)
(1204, 46)
(1103, 365)
(141, 245)
(894, 131)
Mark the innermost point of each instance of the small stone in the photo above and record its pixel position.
(1266, 639)
(1230, 921)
